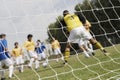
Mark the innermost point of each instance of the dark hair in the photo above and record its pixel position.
(65, 12)
(15, 43)
(2, 35)
(38, 40)
(29, 35)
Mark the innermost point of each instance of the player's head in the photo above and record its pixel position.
(16, 44)
(29, 37)
(38, 41)
(65, 12)
(0, 36)
(3, 36)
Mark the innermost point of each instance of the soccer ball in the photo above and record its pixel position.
(44, 64)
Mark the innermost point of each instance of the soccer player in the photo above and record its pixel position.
(40, 50)
(30, 47)
(56, 47)
(4, 57)
(83, 43)
(88, 45)
(18, 56)
(4, 41)
(77, 31)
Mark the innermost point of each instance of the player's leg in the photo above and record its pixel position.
(86, 35)
(44, 57)
(91, 48)
(21, 63)
(36, 60)
(56, 54)
(98, 45)
(9, 63)
(39, 56)
(60, 54)
(45, 63)
(67, 52)
(2, 72)
(83, 48)
(36, 63)
(17, 63)
(31, 54)
(71, 38)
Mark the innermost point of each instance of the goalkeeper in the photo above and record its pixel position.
(78, 31)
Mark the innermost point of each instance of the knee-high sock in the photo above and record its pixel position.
(21, 68)
(31, 62)
(67, 55)
(11, 70)
(46, 60)
(99, 46)
(36, 64)
(91, 47)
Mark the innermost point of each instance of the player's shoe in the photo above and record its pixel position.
(13, 76)
(105, 52)
(20, 71)
(93, 53)
(29, 67)
(65, 62)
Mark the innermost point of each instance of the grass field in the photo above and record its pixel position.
(97, 67)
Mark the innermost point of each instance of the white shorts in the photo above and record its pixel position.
(57, 51)
(79, 33)
(83, 42)
(41, 56)
(7, 62)
(19, 60)
(32, 54)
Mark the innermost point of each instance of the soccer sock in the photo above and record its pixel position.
(57, 60)
(31, 62)
(86, 54)
(36, 64)
(67, 55)
(91, 47)
(99, 46)
(10, 71)
(46, 60)
(21, 68)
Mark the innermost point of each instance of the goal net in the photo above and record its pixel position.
(42, 18)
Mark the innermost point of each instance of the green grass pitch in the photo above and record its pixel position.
(93, 68)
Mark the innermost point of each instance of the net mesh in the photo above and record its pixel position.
(21, 17)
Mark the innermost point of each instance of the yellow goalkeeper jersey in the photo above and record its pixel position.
(29, 45)
(72, 21)
(16, 52)
(55, 44)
